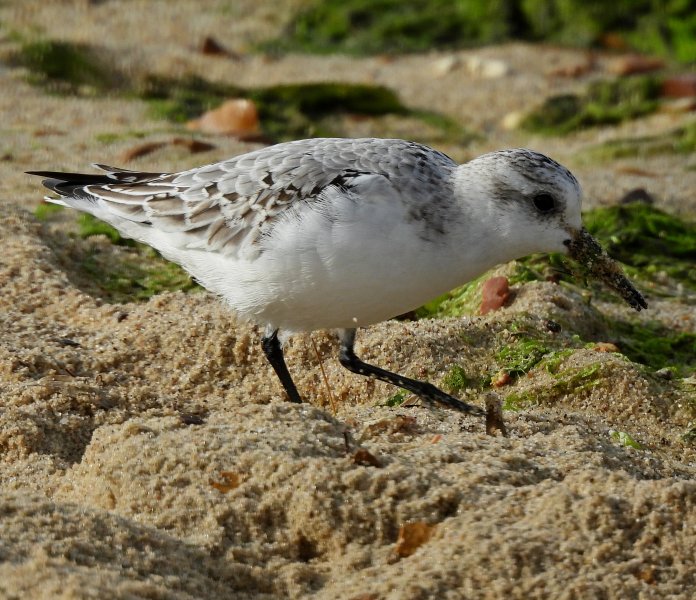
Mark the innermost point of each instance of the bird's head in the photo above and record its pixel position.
(534, 205)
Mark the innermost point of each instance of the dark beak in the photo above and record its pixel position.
(583, 248)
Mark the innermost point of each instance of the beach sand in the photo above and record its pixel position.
(145, 447)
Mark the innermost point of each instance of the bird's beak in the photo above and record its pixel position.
(583, 248)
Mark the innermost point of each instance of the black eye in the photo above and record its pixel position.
(544, 203)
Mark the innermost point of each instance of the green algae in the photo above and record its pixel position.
(648, 241)
(397, 399)
(603, 103)
(291, 111)
(286, 112)
(554, 360)
(657, 249)
(575, 380)
(456, 380)
(392, 26)
(689, 436)
(464, 300)
(130, 272)
(679, 141)
(653, 344)
(45, 211)
(89, 226)
(520, 357)
(395, 26)
(108, 138)
(135, 274)
(624, 439)
(64, 67)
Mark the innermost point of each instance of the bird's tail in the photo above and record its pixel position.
(73, 184)
(73, 188)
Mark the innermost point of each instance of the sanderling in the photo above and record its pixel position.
(343, 233)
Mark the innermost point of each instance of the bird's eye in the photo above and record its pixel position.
(544, 203)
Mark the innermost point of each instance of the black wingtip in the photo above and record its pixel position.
(67, 184)
(74, 178)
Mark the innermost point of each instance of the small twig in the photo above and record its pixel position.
(323, 374)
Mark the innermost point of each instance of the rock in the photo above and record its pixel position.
(233, 117)
(411, 536)
(605, 347)
(575, 70)
(501, 379)
(679, 86)
(666, 373)
(494, 294)
(635, 63)
(211, 47)
(487, 68)
(446, 64)
(512, 120)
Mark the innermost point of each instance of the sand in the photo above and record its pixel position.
(145, 447)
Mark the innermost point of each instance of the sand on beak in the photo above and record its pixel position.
(587, 251)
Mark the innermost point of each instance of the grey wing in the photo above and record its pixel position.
(227, 206)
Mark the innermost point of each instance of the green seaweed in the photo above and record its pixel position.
(90, 226)
(656, 249)
(689, 436)
(363, 27)
(112, 137)
(397, 399)
(295, 110)
(520, 357)
(569, 381)
(134, 272)
(286, 112)
(679, 141)
(625, 439)
(456, 380)
(138, 274)
(516, 401)
(64, 67)
(290, 111)
(464, 300)
(653, 344)
(379, 26)
(667, 27)
(179, 100)
(46, 210)
(553, 360)
(668, 30)
(578, 379)
(650, 242)
(604, 103)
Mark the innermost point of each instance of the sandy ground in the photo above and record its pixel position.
(146, 452)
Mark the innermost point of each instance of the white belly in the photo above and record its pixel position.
(320, 273)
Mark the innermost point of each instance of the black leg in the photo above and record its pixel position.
(423, 389)
(274, 353)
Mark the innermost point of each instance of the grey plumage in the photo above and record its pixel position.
(230, 204)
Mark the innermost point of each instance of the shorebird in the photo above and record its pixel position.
(343, 233)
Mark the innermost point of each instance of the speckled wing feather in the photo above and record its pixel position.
(225, 206)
